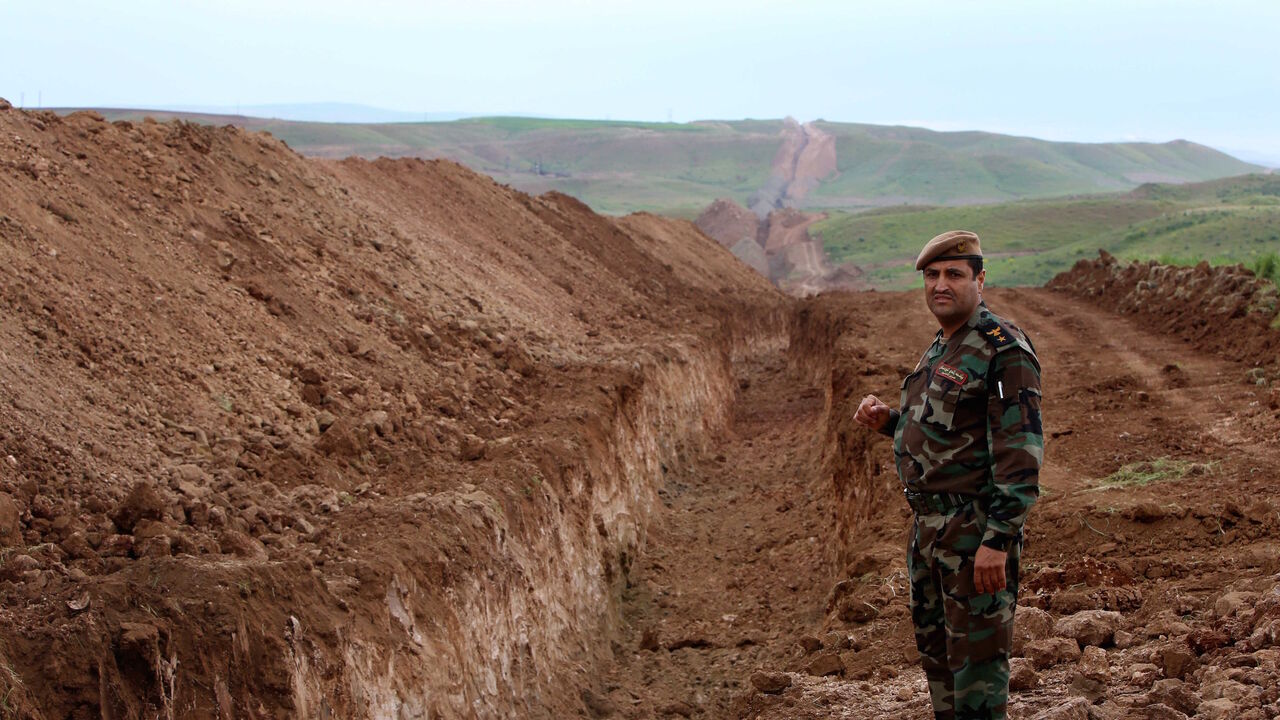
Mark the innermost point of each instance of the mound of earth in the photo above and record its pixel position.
(779, 247)
(1225, 309)
(728, 223)
(292, 438)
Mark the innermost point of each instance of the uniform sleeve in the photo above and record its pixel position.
(892, 424)
(1016, 444)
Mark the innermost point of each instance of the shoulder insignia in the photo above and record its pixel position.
(996, 334)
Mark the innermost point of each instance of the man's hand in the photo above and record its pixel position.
(872, 413)
(988, 570)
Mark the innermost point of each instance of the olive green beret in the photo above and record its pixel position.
(950, 245)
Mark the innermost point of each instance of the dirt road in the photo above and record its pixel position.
(734, 581)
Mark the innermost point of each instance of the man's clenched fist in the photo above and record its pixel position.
(872, 413)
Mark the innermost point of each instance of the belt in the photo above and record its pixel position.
(925, 503)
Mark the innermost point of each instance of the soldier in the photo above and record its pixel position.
(968, 447)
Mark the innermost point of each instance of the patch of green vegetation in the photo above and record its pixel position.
(1030, 241)
(1145, 472)
(1267, 267)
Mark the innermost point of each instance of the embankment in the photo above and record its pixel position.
(1224, 310)
(289, 438)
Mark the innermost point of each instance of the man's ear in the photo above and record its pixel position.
(982, 278)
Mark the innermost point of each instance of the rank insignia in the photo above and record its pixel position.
(958, 377)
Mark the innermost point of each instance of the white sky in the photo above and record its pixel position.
(1082, 70)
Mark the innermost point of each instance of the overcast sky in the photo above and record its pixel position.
(1092, 70)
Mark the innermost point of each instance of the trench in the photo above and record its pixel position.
(544, 618)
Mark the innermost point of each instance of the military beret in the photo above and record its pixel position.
(950, 245)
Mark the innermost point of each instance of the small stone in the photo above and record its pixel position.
(324, 419)
(1202, 640)
(1052, 651)
(1144, 674)
(649, 639)
(377, 421)
(1175, 694)
(1030, 624)
(116, 546)
(1094, 664)
(810, 644)
(470, 448)
(1022, 675)
(826, 664)
(770, 683)
(1072, 709)
(1157, 711)
(1092, 674)
(1090, 627)
(234, 542)
(600, 707)
(16, 566)
(142, 502)
(10, 521)
(1177, 660)
(1147, 511)
(1232, 603)
(156, 547)
(677, 708)
(1220, 709)
(188, 472)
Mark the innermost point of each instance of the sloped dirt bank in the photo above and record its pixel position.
(285, 438)
(1224, 310)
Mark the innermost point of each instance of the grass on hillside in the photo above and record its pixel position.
(1028, 242)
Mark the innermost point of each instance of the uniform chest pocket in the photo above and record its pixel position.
(948, 396)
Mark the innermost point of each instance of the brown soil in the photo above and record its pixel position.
(286, 438)
(780, 247)
(727, 222)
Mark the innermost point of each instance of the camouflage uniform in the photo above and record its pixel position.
(968, 446)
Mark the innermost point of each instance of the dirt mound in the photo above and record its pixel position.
(779, 247)
(1225, 310)
(294, 438)
(728, 223)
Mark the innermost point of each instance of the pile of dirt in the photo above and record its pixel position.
(1225, 310)
(728, 223)
(293, 438)
(780, 247)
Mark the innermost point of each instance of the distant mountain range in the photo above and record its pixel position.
(679, 168)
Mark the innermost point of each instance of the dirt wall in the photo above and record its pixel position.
(288, 438)
(832, 343)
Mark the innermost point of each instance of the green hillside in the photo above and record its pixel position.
(679, 168)
(918, 166)
(1224, 221)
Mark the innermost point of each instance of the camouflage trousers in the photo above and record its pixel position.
(964, 637)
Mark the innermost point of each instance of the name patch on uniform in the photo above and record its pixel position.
(958, 377)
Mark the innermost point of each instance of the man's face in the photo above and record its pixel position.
(951, 290)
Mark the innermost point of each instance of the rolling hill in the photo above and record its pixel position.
(679, 168)
(1232, 220)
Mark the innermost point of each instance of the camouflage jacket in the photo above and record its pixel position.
(970, 422)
